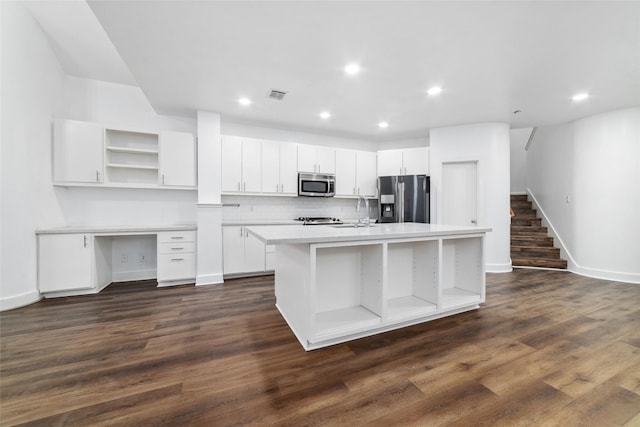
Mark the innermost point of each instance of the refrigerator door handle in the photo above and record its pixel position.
(401, 197)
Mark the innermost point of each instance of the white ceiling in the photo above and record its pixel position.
(490, 58)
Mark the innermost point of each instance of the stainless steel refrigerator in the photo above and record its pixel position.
(404, 198)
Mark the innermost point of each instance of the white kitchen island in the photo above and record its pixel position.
(338, 283)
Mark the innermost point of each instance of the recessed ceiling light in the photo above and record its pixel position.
(383, 125)
(352, 69)
(580, 97)
(244, 101)
(434, 90)
(325, 115)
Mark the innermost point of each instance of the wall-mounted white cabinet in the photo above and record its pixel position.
(279, 168)
(89, 154)
(355, 173)
(78, 152)
(241, 165)
(407, 161)
(243, 252)
(312, 158)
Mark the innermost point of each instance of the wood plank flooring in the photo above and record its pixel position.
(548, 348)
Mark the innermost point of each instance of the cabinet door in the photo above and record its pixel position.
(251, 165)
(270, 167)
(416, 161)
(233, 249)
(390, 162)
(78, 152)
(177, 159)
(326, 160)
(65, 262)
(366, 179)
(345, 172)
(254, 253)
(231, 164)
(288, 168)
(306, 158)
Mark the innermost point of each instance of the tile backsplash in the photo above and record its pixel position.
(287, 208)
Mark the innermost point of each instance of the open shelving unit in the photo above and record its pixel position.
(348, 290)
(412, 279)
(462, 272)
(131, 157)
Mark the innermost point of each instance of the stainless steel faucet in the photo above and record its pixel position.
(366, 204)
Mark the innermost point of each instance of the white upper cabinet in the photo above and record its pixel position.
(408, 161)
(78, 152)
(355, 173)
(346, 173)
(366, 178)
(241, 164)
(317, 159)
(279, 172)
(91, 154)
(177, 159)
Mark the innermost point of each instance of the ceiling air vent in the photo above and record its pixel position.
(278, 95)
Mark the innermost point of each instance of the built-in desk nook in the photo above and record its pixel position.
(76, 261)
(335, 284)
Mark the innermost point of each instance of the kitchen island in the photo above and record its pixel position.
(338, 283)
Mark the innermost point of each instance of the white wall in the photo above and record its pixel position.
(488, 144)
(585, 179)
(519, 139)
(32, 81)
(251, 131)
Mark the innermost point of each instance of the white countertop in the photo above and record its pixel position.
(296, 234)
(117, 229)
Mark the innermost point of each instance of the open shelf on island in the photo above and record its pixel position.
(462, 272)
(336, 323)
(348, 289)
(412, 279)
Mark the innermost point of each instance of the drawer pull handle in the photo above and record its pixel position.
(177, 249)
(177, 237)
(177, 259)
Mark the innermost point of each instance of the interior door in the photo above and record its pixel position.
(459, 193)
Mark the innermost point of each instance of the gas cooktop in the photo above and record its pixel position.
(318, 220)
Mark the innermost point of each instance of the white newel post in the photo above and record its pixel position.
(209, 259)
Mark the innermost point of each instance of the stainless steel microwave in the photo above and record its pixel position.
(316, 184)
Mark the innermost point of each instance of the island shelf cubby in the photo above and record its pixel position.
(412, 279)
(463, 277)
(347, 283)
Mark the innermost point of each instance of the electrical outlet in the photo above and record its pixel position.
(124, 258)
(567, 199)
(142, 258)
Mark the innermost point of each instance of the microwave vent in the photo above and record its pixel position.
(278, 95)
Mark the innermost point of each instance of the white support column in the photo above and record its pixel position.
(209, 250)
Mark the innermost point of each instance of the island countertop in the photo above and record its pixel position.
(301, 234)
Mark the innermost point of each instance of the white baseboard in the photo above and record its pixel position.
(17, 301)
(572, 265)
(518, 193)
(209, 279)
(128, 276)
(499, 268)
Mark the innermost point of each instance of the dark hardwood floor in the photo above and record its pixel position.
(548, 348)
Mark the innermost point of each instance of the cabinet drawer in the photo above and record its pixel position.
(176, 266)
(178, 246)
(176, 236)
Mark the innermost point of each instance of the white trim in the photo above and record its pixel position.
(572, 265)
(128, 276)
(530, 140)
(209, 205)
(498, 268)
(209, 279)
(17, 301)
(518, 193)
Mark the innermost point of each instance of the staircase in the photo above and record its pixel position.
(530, 245)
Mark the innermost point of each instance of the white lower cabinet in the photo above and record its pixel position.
(65, 262)
(243, 252)
(176, 257)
